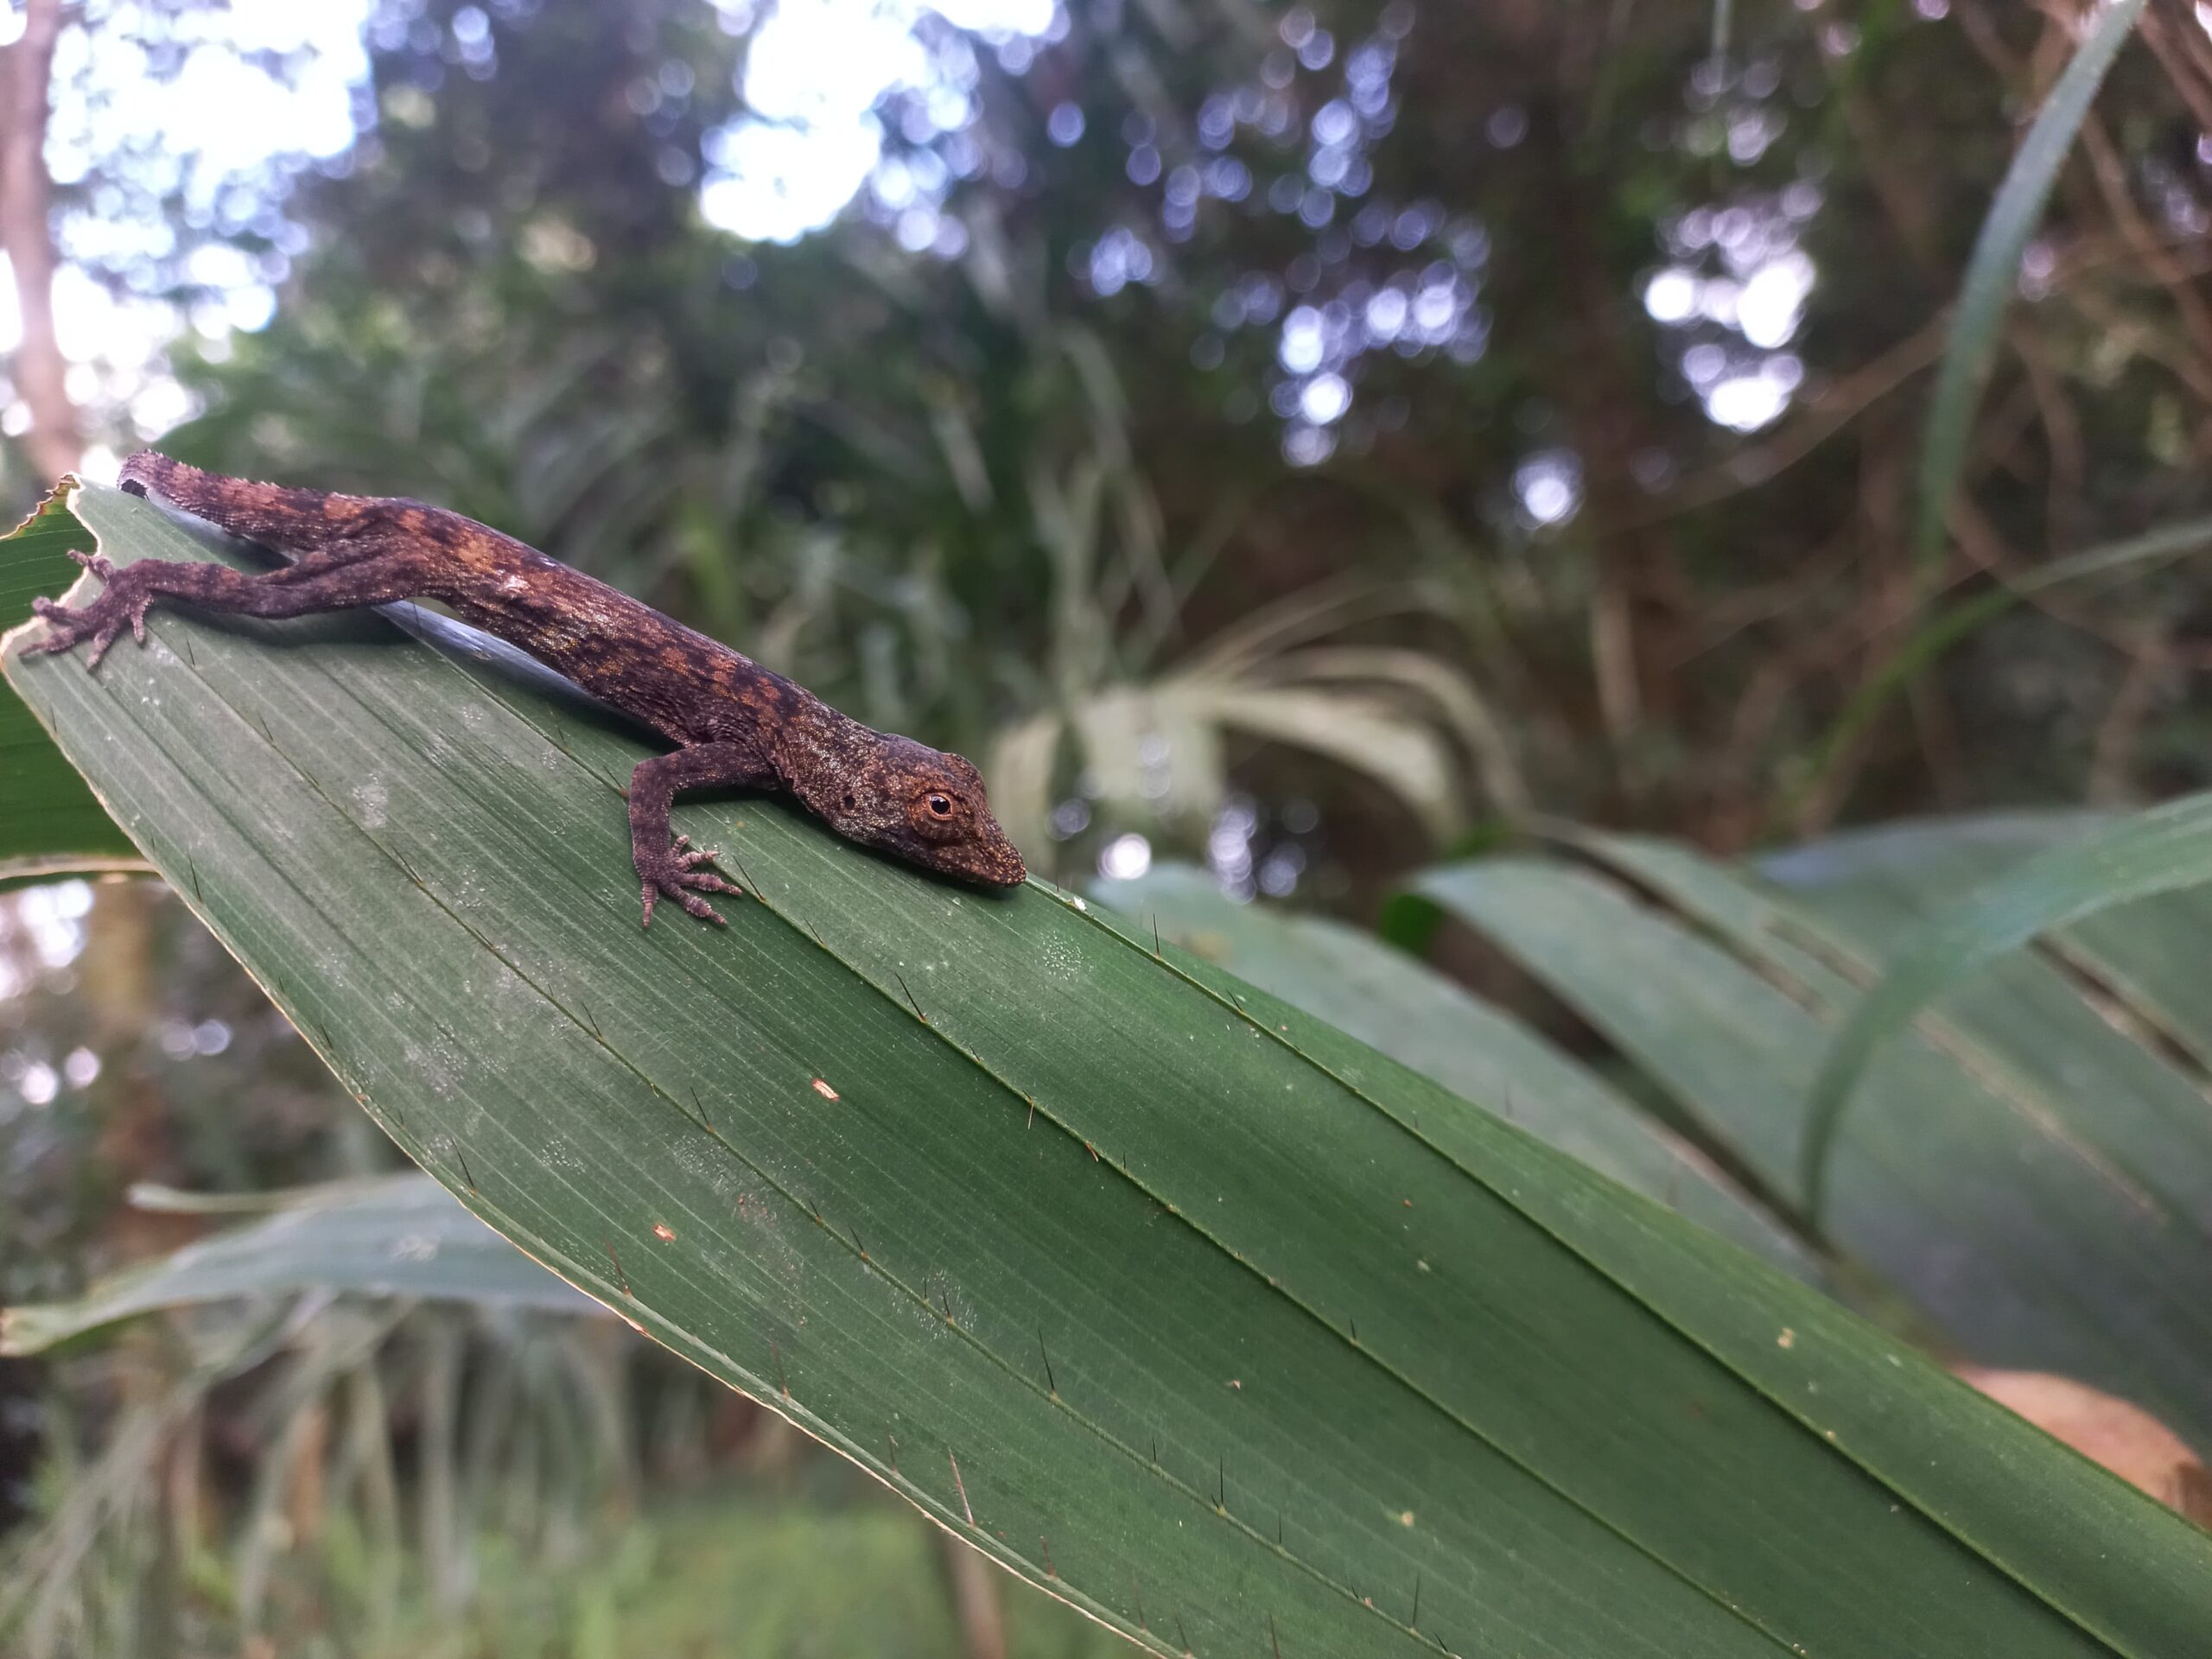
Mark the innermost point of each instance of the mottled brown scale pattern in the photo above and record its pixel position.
(735, 722)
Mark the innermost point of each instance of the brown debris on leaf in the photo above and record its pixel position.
(2124, 1438)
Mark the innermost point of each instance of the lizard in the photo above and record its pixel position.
(734, 723)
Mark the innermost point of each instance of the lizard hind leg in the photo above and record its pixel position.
(319, 581)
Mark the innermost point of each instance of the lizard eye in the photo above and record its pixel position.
(941, 804)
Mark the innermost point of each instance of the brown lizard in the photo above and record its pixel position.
(736, 723)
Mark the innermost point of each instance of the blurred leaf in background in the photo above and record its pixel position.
(1148, 317)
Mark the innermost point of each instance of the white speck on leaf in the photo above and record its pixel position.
(372, 797)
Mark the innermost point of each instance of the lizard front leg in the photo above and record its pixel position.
(672, 869)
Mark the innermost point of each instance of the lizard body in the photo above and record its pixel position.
(735, 722)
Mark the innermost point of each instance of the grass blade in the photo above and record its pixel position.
(1993, 269)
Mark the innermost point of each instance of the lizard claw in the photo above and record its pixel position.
(677, 876)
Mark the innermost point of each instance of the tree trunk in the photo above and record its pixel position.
(40, 372)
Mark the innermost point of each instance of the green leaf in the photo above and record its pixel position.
(1113, 1275)
(1696, 1281)
(50, 825)
(2163, 850)
(2148, 956)
(399, 1235)
(1393, 1003)
(1993, 269)
(2028, 1179)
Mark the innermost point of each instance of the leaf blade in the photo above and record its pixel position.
(1121, 1329)
(1387, 999)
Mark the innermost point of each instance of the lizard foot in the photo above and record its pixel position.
(122, 600)
(678, 874)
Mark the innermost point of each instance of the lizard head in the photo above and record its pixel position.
(924, 806)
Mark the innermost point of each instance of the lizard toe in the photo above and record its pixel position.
(62, 629)
(673, 881)
(697, 906)
(103, 637)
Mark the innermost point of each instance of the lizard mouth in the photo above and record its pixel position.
(995, 862)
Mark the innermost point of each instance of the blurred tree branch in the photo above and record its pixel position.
(55, 441)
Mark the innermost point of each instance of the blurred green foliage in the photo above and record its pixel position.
(951, 492)
(799, 1577)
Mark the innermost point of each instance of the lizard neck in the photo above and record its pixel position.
(818, 753)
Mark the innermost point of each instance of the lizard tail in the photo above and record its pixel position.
(286, 519)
